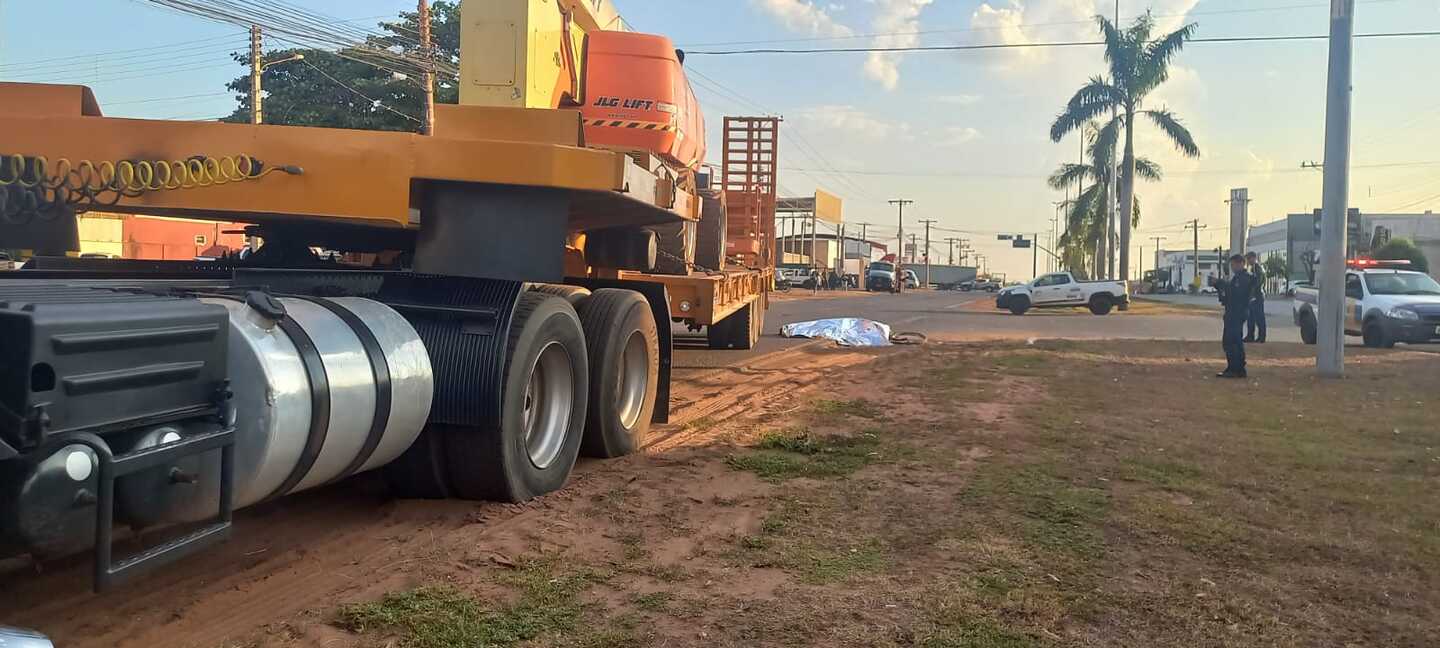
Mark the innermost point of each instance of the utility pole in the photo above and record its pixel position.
(257, 114)
(1035, 257)
(1195, 225)
(951, 242)
(427, 124)
(900, 252)
(1330, 356)
(928, 222)
(1157, 240)
(913, 249)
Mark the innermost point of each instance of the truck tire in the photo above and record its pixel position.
(1101, 305)
(675, 251)
(1375, 337)
(624, 349)
(740, 331)
(572, 294)
(542, 409)
(1309, 329)
(710, 233)
(421, 473)
(1020, 305)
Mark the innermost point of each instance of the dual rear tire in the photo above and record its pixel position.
(740, 331)
(581, 373)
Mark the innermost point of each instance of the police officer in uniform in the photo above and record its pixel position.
(1255, 328)
(1236, 294)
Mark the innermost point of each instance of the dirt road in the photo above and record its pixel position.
(810, 495)
(290, 561)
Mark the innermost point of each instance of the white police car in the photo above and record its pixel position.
(1384, 304)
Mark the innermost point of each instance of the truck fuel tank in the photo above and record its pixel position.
(323, 389)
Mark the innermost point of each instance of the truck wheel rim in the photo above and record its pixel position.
(549, 403)
(634, 380)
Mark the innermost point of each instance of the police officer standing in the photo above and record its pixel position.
(1236, 294)
(1255, 325)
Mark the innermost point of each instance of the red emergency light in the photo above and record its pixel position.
(1361, 264)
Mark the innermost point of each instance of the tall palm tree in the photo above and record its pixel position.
(1084, 240)
(1138, 65)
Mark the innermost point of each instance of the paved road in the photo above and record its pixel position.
(966, 316)
(1277, 308)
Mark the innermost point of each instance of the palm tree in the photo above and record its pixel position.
(1084, 240)
(1138, 65)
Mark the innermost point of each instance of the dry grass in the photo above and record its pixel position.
(1052, 495)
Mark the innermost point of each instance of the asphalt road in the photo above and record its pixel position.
(948, 315)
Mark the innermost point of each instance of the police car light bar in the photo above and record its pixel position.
(1377, 263)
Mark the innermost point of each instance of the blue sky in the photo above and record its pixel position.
(962, 134)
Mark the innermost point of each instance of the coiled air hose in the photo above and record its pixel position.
(34, 187)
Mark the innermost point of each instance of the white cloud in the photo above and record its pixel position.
(845, 120)
(898, 19)
(1011, 22)
(959, 99)
(805, 17)
(958, 136)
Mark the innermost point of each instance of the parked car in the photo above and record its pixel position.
(912, 280)
(1384, 304)
(1063, 290)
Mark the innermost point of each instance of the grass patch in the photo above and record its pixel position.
(444, 617)
(792, 454)
(652, 602)
(976, 633)
(820, 566)
(859, 408)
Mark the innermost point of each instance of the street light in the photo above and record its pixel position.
(257, 97)
(288, 59)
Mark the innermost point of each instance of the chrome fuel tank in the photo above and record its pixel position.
(323, 389)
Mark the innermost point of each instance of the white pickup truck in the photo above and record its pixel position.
(1383, 305)
(1063, 290)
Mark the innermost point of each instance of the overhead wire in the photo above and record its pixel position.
(793, 136)
(1041, 45)
(374, 102)
(1060, 23)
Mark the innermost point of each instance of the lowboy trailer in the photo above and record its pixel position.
(503, 302)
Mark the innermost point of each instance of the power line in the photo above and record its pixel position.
(164, 99)
(1031, 176)
(1059, 44)
(115, 52)
(373, 102)
(1062, 23)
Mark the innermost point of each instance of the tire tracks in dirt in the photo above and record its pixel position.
(291, 560)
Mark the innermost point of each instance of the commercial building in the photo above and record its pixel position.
(1183, 267)
(156, 238)
(1297, 237)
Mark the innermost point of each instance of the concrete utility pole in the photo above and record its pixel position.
(1035, 257)
(928, 222)
(1195, 225)
(427, 123)
(1157, 240)
(1330, 355)
(257, 114)
(900, 251)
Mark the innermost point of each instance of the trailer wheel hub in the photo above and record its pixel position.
(549, 404)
